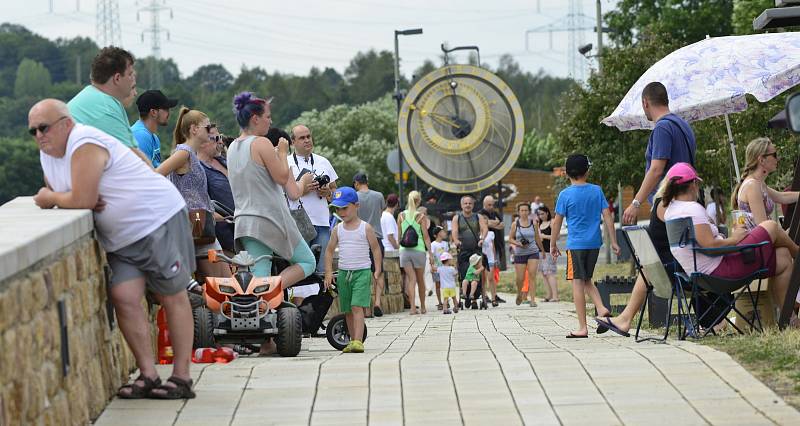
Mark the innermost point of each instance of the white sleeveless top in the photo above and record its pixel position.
(353, 247)
(138, 200)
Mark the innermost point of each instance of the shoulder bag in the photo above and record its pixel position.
(302, 220)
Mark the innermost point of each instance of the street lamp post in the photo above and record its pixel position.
(398, 96)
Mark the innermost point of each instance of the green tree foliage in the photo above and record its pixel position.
(619, 156)
(369, 76)
(212, 77)
(539, 152)
(682, 21)
(20, 172)
(356, 138)
(33, 79)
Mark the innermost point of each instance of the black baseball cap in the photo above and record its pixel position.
(360, 177)
(577, 165)
(154, 99)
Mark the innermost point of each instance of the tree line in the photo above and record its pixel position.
(33, 67)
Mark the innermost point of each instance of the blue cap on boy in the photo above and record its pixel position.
(344, 196)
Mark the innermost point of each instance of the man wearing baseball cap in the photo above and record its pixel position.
(154, 109)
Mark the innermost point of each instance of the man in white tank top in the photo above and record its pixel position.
(141, 222)
(355, 240)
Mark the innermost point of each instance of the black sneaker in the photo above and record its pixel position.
(474, 305)
(494, 303)
(377, 311)
(497, 299)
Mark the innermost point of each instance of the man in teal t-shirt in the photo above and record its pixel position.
(100, 103)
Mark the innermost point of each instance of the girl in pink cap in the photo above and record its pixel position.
(680, 198)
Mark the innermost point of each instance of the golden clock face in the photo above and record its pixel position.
(461, 129)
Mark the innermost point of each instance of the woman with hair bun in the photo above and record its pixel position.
(259, 175)
(184, 170)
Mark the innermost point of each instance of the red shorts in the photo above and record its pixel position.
(733, 266)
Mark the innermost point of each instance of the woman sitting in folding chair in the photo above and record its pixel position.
(680, 198)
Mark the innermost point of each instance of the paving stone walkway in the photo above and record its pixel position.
(505, 366)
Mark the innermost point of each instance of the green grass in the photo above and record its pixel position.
(772, 356)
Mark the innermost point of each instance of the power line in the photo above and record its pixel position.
(107, 23)
(154, 9)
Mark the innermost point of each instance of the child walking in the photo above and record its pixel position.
(470, 282)
(447, 276)
(490, 259)
(355, 239)
(438, 247)
(582, 204)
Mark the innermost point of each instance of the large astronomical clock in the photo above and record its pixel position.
(461, 129)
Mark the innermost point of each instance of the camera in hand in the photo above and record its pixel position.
(322, 180)
(524, 241)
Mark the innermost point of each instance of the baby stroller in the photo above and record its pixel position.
(478, 302)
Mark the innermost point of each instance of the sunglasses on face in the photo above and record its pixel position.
(43, 128)
(215, 138)
(772, 154)
(209, 126)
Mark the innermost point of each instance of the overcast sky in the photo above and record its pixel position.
(294, 35)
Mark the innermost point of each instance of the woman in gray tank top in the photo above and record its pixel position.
(527, 242)
(259, 174)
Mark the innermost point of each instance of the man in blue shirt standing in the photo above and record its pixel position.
(671, 141)
(153, 112)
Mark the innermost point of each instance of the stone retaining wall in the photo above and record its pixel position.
(55, 262)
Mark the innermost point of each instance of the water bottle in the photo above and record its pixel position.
(165, 353)
(225, 355)
(203, 355)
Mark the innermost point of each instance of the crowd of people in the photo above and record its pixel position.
(279, 194)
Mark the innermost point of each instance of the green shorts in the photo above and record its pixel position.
(355, 289)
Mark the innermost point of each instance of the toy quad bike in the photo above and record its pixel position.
(246, 309)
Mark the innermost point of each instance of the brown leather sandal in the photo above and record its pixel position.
(137, 391)
(182, 390)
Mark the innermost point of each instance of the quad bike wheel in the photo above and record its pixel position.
(337, 333)
(290, 331)
(203, 328)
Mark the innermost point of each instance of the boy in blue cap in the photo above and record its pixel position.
(354, 238)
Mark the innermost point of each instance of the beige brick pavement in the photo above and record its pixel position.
(505, 366)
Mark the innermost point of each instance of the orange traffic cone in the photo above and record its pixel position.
(527, 281)
(165, 353)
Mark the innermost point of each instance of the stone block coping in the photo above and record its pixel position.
(30, 234)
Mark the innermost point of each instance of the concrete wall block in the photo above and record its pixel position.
(8, 307)
(72, 269)
(58, 279)
(38, 291)
(25, 302)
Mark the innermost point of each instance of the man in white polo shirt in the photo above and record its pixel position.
(144, 229)
(315, 196)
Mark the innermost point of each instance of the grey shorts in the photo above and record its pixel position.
(414, 258)
(165, 258)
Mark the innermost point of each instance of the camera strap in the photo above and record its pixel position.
(310, 158)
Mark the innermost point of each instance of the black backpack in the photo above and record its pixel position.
(410, 238)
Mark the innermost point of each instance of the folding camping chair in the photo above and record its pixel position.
(657, 280)
(680, 233)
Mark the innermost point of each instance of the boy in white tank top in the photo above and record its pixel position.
(355, 239)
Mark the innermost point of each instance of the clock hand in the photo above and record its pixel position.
(443, 119)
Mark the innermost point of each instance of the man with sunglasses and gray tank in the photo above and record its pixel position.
(143, 228)
(153, 109)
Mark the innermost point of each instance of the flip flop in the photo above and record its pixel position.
(601, 328)
(606, 323)
(576, 336)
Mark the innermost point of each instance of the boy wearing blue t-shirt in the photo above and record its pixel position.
(582, 204)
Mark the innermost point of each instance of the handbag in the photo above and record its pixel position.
(304, 225)
(203, 227)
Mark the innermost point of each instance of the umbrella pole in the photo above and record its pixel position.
(733, 147)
